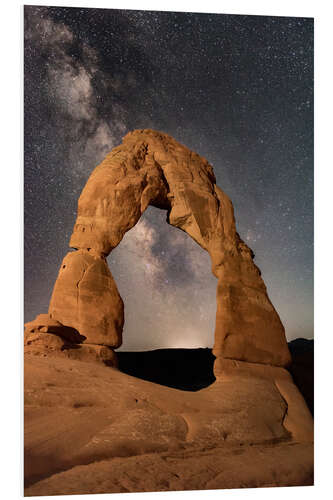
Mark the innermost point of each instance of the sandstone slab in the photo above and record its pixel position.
(297, 420)
(133, 434)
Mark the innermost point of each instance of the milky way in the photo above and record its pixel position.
(238, 90)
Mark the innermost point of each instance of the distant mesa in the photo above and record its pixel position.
(151, 168)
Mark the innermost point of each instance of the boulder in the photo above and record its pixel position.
(44, 323)
(92, 353)
(41, 341)
(51, 345)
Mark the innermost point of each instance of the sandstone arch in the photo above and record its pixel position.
(151, 168)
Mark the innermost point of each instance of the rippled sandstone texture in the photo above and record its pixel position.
(151, 168)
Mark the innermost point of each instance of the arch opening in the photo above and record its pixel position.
(169, 296)
(166, 283)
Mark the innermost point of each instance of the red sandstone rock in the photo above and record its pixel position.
(52, 346)
(92, 353)
(44, 323)
(86, 297)
(42, 342)
(250, 428)
(151, 168)
(93, 429)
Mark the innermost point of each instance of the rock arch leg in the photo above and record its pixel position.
(86, 297)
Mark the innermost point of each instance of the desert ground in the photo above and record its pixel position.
(89, 428)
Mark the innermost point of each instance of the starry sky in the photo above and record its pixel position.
(237, 89)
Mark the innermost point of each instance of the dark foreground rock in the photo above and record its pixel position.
(302, 368)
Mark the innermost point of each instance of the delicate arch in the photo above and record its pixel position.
(151, 168)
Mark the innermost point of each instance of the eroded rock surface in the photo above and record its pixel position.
(47, 337)
(44, 323)
(86, 297)
(151, 168)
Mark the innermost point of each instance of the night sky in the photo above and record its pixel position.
(238, 90)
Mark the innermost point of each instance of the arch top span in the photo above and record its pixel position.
(148, 168)
(152, 168)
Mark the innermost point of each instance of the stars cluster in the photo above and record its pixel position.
(236, 89)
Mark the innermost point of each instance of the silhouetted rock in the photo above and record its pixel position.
(302, 368)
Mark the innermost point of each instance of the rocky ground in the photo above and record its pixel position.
(89, 428)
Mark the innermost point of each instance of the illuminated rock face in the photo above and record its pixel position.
(151, 168)
(85, 296)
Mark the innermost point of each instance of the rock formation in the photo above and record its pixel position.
(91, 429)
(43, 323)
(151, 168)
(46, 336)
